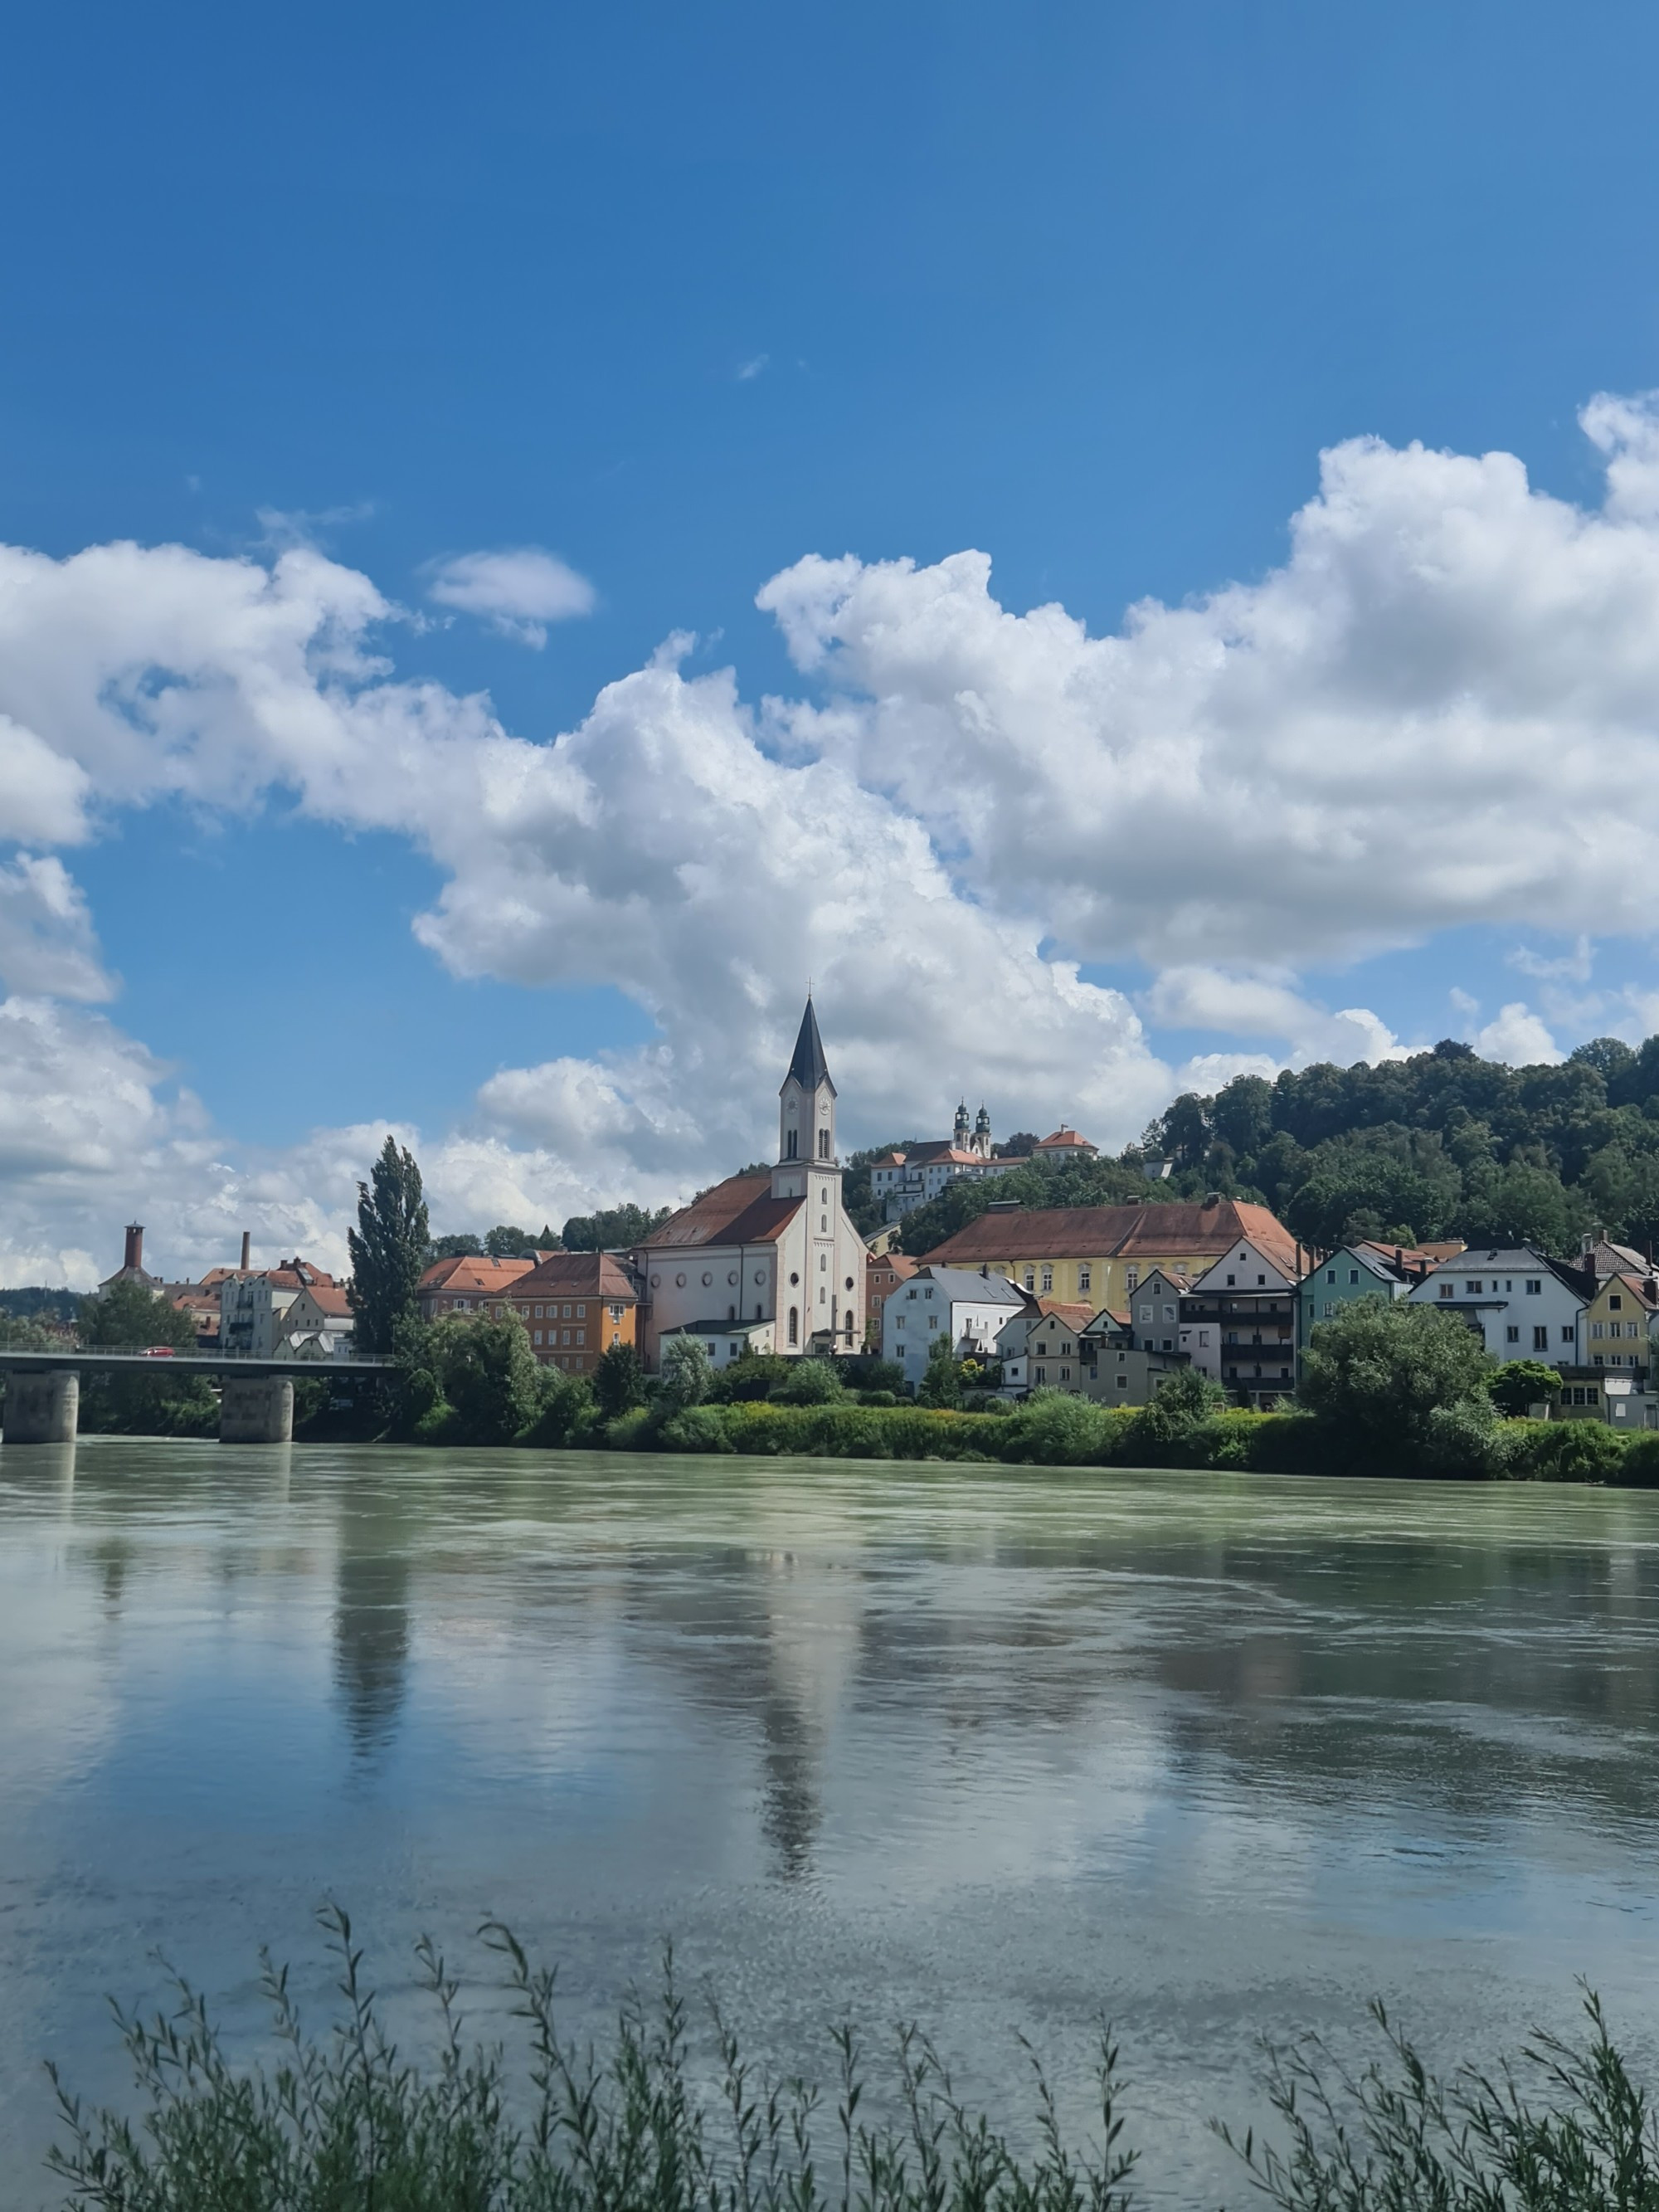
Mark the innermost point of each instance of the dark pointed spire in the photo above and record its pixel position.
(808, 1066)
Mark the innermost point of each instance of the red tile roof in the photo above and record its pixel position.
(739, 1210)
(577, 1274)
(471, 1272)
(1065, 1141)
(1149, 1233)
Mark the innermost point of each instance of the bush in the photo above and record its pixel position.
(1519, 1384)
(1640, 1470)
(695, 1429)
(1569, 1452)
(808, 1383)
(490, 1375)
(1054, 1429)
(618, 1380)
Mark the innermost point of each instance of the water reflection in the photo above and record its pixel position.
(371, 1625)
(996, 1748)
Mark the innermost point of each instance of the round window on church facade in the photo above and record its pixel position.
(656, 1282)
(733, 1277)
(760, 1275)
(707, 1278)
(794, 1279)
(680, 1281)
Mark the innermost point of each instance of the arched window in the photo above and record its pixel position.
(794, 1324)
(824, 1144)
(789, 1143)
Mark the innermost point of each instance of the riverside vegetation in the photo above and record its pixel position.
(672, 2117)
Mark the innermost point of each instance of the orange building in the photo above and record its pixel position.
(576, 1305)
(883, 1273)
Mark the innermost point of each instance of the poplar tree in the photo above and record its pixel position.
(388, 1248)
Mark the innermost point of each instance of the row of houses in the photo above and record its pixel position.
(1245, 1318)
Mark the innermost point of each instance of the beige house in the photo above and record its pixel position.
(1102, 1254)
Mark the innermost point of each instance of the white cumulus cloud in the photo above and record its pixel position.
(1406, 725)
(518, 591)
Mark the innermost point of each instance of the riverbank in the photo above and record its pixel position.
(673, 2114)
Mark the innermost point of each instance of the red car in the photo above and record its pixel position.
(158, 1351)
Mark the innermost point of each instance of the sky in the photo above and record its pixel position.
(1122, 541)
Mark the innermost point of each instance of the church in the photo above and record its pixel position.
(770, 1260)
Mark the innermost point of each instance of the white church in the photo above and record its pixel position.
(767, 1261)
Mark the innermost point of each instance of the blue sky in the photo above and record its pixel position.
(683, 296)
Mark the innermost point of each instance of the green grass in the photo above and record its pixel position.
(347, 2123)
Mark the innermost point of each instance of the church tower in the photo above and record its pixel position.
(806, 1102)
(959, 1134)
(982, 1134)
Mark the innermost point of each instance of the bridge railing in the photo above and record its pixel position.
(162, 1353)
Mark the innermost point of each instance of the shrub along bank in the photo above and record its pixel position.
(1393, 1390)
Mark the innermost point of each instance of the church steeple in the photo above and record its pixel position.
(806, 1100)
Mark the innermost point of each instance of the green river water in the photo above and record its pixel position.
(996, 1748)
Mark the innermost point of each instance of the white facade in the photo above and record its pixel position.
(970, 1310)
(778, 1247)
(1524, 1306)
(1246, 1289)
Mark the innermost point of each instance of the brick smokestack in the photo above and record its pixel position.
(135, 1257)
(247, 1252)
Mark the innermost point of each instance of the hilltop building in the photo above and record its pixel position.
(903, 1181)
(777, 1246)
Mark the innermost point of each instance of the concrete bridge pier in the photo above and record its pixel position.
(42, 1409)
(257, 1409)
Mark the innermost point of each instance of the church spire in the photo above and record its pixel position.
(806, 1100)
(808, 1066)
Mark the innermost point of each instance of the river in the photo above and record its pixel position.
(997, 1749)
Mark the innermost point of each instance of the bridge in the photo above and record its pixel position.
(256, 1403)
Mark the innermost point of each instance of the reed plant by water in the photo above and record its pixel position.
(347, 2123)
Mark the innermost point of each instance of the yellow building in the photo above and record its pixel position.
(1618, 1322)
(1099, 1254)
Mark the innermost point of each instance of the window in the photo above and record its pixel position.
(566, 1315)
(824, 1144)
(1231, 1279)
(1041, 1374)
(1065, 1374)
(1260, 1281)
(538, 1336)
(1329, 1309)
(1614, 1302)
(1132, 1281)
(928, 1292)
(565, 1337)
(582, 1336)
(789, 1145)
(1204, 1340)
(1047, 1279)
(616, 1313)
(898, 1320)
(1566, 1332)
(1597, 1329)
(1473, 1290)
(731, 1351)
(1353, 1275)
(1541, 1339)
(1512, 1335)
(1330, 1274)
(1446, 1290)
(581, 1312)
(1535, 1285)
(539, 1315)
(1146, 1313)
(709, 1349)
(794, 1325)
(1596, 1360)
(933, 1319)
(1123, 1381)
(1085, 1277)
(1169, 1313)
(823, 1266)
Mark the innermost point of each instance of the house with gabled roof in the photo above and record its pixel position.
(1521, 1304)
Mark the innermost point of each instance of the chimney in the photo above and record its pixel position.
(134, 1254)
(247, 1252)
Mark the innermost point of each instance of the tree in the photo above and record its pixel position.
(684, 1372)
(490, 1376)
(388, 1248)
(809, 1383)
(941, 1381)
(18, 1332)
(618, 1380)
(1019, 1146)
(1375, 1376)
(504, 1242)
(126, 1313)
(467, 1247)
(613, 1230)
(1519, 1384)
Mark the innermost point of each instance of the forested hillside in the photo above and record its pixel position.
(1443, 1145)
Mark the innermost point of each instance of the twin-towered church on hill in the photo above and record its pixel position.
(770, 1260)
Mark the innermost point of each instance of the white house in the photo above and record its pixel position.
(1239, 1323)
(777, 1246)
(1044, 1331)
(319, 1324)
(970, 1310)
(253, 1308)
(1523, 1305)
(723, 1341)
